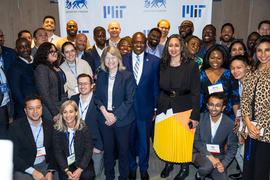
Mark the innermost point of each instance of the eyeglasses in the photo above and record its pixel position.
(214, 105)
(84, 84)
(110, 58)
(53, 52)
(2, 36)
(183, 27)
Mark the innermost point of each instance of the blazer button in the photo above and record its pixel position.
(137, 89)
(113, 107)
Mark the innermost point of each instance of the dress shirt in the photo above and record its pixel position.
(80, 55)
(113, 44)
(3, 80)
(83, 107)
(71, 132)
(225, 45)
(214, 126)
(39, 143)
(26, 60)
(53, 39)
(155, 52)
(99, 51)
(1, 60)
(134, 59)
(110, 92)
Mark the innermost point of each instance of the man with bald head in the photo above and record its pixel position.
(145, 68)
(7, 55)
(81, 43)
(72, 30)
(114, 31)
(21, 76)
(186, 29)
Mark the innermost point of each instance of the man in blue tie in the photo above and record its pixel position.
(145, 68)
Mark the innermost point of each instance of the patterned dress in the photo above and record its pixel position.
(230, 89)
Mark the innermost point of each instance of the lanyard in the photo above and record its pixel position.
(51, 40)
(71, 141)
(82, 111)
(62, 75)
(75, 74)
(204, 50)
(38, 134)
(212, 137)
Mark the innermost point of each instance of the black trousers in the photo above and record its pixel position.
(258, 166)
(87, 174)
(4, 121)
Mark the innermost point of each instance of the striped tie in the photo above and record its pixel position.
(136, 68)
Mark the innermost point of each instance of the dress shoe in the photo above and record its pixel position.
(144, 175)
(236, 176)
(183, 172)
(132, 175)
(166, 171)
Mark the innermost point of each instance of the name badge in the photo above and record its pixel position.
(76, 89)
(213, 148)
(71, 159)
(238, 114)
(41, 151)
(3, 88)
(255, 123)
(215, 88)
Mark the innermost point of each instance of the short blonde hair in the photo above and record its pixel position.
(61, 126)
(115, 52)
(166, 21)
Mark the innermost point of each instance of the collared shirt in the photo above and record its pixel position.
(214, 126)
(3, 80)
(113, 44)
(84, 106)
(31, 57)
(220, 42)
(53, 39)
(155, 52)
(99, 51)
(110, 93)
(39, 143)
(71, 132)
(80, 55)
(134, 59)
(1, 59)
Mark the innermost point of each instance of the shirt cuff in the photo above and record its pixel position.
(30, 170)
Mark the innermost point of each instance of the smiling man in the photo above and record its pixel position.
(226, 34)
(21, 76)
(114, 30)
(186, 29)
(152, 45)
(264, 28)
(49, 26)
(145, 68)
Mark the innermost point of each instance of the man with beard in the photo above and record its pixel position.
(114, 30)
(152, 45)
(186, 29)
(226, 34)
(49, 26)
(252, 37)
(264, 28)
(21, 76)
(164, 27)
(80, 43)
(40, 36)
(212, 134)
(7, 55)
(145, 68)
(100, 40)
(72, 30)
(209, 38)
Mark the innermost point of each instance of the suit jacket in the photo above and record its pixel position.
(223, 135)
(147, 91)
(9, 55)
(22, 83)
(122, 97)
(82, 146)
(186, 78)
(62, 41)
(91, 120)
(34, 51)
(25, 149)
(95, 56)
(91, 61)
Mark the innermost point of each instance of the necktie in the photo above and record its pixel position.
(136, 68)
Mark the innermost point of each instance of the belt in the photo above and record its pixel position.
(176, 93)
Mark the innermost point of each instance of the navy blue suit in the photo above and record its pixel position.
(91, 61)
(146, 93)
(119, 132)
(9, 55)
(91, 120)
(22, 83)
(95, 56)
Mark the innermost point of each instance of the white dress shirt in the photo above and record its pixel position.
(134, 59)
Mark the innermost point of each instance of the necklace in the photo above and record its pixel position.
(112, 77)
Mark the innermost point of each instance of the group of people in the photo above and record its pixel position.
(77, 108)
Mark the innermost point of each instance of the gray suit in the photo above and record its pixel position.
(223, 135)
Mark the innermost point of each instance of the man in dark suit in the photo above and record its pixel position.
(80, 43)
(145, 68)
(32, 138)
(213, 132)
(21, 76)
(39, 36)
(88, 113)
(96, 51)
(7, 55)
